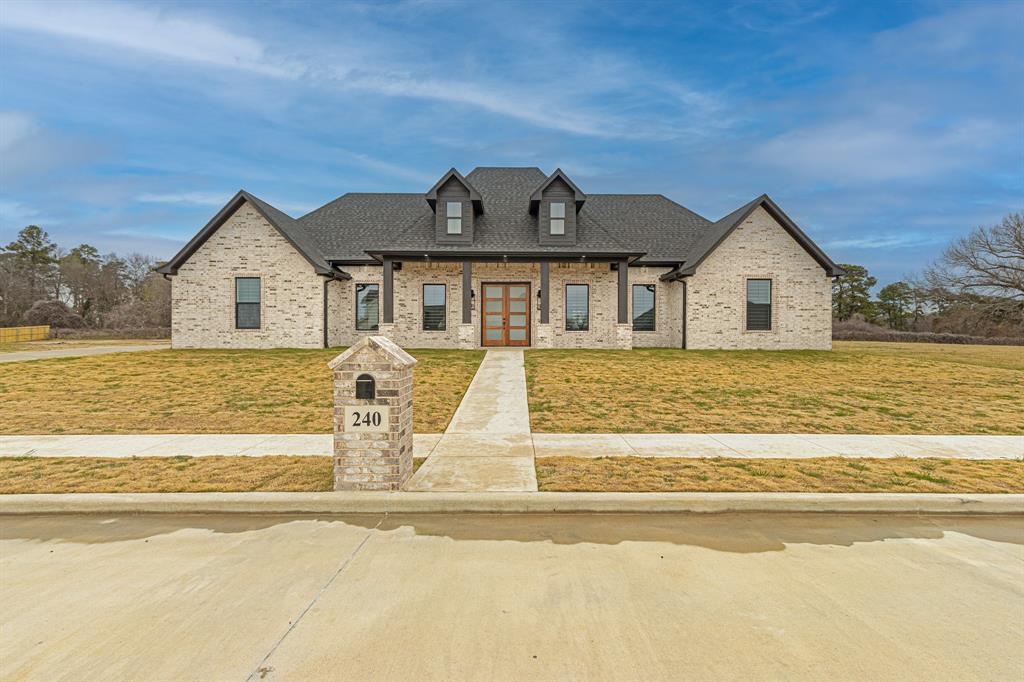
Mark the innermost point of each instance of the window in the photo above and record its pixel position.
(454, 213)
(577, 307)
(759, 305)
(247, 302)
(643, 307)
(557, 218)
(433, 307)
(367, 307)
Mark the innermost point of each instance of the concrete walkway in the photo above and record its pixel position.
(741, 445)
(488, 446)
(23, 355)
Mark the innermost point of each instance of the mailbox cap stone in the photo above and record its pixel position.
(374, 349)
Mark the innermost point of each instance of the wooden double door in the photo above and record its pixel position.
(505, 314)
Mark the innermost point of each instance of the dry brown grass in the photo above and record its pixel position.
(818, 475)
(860, 387)
(230, 474)
(164, 474)
(206, 391)
(57, 344)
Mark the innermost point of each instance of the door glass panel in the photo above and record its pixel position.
(493, 321)
(516, 334)
(517, 306)
(494, 306)
(494, 334)
(517, 292)
(517, 320)
(492, 292)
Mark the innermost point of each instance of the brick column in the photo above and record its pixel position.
(372, 432)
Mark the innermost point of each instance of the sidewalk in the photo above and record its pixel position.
(488, 446)
(467, 447)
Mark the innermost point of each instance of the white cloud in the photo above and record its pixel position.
(192, 198)
(890, 241)
(365, 65)
(15, 127)
(145, 29)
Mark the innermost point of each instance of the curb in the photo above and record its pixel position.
(509, 503)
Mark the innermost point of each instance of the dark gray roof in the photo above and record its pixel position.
(648, 228)
(285, 224)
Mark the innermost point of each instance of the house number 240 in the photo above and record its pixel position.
(368, 418)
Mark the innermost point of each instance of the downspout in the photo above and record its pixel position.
(327, 281)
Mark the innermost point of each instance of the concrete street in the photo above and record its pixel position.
(661, 596)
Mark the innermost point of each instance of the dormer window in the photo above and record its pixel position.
(557, 218)
(454, 214)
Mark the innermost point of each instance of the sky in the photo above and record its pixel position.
(884, 129)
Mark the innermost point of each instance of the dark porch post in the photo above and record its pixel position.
(545, 292)
(467, 292)
(389, 291)
(623, 290)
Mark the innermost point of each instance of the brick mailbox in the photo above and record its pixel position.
(372, 416)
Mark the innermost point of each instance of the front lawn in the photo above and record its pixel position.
(231, 474)
(817, 475)
(207, 391)
(860, 387)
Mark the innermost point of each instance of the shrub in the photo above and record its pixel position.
(53, 313)
(859, 330)
(130, 333)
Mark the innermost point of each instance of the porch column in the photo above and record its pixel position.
(623, 292)
(389, 291)
(467, 292)
(545, 292)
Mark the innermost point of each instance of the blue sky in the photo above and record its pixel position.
(884, 129)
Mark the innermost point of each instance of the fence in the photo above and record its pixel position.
(16, 334)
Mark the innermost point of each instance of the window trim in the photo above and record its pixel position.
(771, 304)
(423, 306)
(355, 305)
(448, 218)
(654, 307)
(258, 303)
(552, 219)
(565, 306)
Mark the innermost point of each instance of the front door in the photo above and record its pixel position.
(505, 318)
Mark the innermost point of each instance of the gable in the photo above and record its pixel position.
(762, 242)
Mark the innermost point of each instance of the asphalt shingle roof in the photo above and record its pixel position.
(355, 225)
(348, 227)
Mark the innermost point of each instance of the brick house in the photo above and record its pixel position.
(501, 257)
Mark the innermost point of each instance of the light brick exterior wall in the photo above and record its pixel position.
(203, 291)
(292, 296)
(801, 292)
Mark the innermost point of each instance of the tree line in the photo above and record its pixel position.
(976, 287)
(41, 283)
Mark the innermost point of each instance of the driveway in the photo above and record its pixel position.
(81, 351)
(512, 597)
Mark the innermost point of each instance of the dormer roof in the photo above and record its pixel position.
(474, 196)
(538, 193)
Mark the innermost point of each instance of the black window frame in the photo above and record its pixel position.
(355, 306)
(654, 307)
(444, 307)
(258, 304)
(770, 304)
(449, 218)
(552, 219)
(565, 312)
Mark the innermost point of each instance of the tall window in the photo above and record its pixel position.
(643, 307)
(433, 307)
(557, 218)
(759, 305)
(247, 302)
(367, 307)
(454, 213)
(577, 307)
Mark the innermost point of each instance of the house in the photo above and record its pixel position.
(501, 257)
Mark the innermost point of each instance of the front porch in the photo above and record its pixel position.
(578, 302)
